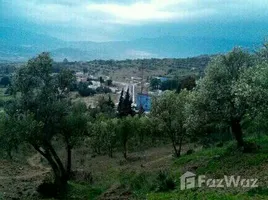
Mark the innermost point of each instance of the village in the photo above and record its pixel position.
(139, 89)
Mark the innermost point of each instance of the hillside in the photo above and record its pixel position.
(54, 143)
(123, 70)
(137, 178)
(20, 45)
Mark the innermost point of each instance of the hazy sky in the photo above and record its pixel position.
(104, 20)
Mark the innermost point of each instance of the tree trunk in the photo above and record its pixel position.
(172, 137)
(125, 150)
(60, 182)
(175, 148)
(55, 157)
(180, 145)
(237, 132)
(69, 161)
(60, 179)
(110, 151)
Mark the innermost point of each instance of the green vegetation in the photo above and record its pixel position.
(215, 163)
(84, 90)
(40, 112)
(168, 111)
(214, 126)
(79, 191)
(121, 70)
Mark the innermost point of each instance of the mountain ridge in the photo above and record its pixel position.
(20, 45)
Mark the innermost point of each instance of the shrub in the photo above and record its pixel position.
(5, 81)
(164, 182)
(105, 90)
(141, 182)
(109, 82)
(250, 147)
(84, 90)
(74, 87)
(2, 102)
(137, 181)
(258, 191)
(87, 92)
(189, 152)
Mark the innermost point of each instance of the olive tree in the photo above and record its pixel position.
(126, 132)
(215, 99)
(104, 131)
(110, 136)
(169, 111)
(73, 129)
(252, 93)
(39, 110)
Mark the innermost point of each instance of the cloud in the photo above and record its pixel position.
(118, 19)
(82, 12)
(95, 13)
(152, 11)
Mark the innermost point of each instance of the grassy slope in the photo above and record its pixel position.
(213, 162)
(113, 176)
(217, 162)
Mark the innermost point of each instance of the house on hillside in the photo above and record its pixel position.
(143, 101)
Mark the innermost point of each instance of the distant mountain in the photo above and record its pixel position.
(20, 45)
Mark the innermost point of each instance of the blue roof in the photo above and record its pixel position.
(144, 101)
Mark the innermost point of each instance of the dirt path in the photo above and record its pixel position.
(23, 177)
(34, 162)
(157, 160)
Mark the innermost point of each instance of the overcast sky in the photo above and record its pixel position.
(104, 20)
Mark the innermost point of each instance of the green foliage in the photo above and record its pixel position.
(262, 53)
(142, 183)
(231, 95)
(104, 90)
(137, 182)
(190, 194)
(65, 78)
(251, 90)
(84, 90)
(125, 105)
(104, 106)
(219, 161)
(216, 101)
(258, 191)
(187, 83)
(126, 132)
(169, 84)
(40, 107)
(85, 70)
(74, 125)
(109, 82)
(155, 83)
(5, 81)
(169, 111)
(79, 191)
(101, 80)
(164, 182)
(104, 135)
